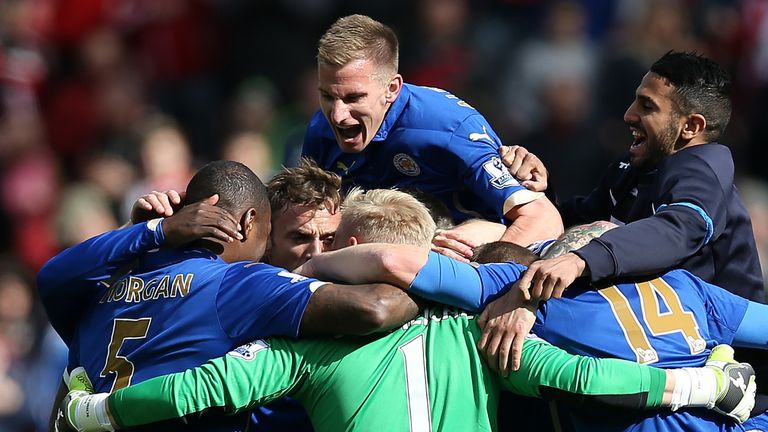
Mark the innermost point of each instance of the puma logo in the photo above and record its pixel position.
(740, 383)
(474, 136)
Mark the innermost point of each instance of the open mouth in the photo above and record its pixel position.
(638, 138)
(349, 133)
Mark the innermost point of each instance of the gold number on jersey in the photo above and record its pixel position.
(675, 320)
(123, 369)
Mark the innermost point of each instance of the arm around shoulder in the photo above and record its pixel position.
(342, 309)
(368, 263)
(533, 221)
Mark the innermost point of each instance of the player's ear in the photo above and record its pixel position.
(248, 223)
(393, 87)
(694, 126)
(353, 241)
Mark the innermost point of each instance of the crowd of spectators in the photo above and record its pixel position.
(101, 101)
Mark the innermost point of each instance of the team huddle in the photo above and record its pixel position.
(411, 269)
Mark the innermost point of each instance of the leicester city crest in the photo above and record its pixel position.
(406, 165)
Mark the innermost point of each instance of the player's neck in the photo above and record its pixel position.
(214, 247)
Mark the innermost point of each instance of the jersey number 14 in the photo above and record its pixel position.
(675, 320)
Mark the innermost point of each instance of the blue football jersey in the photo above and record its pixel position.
(174, 310)
(669, 322)
(432, 141)
(666, 421)
(758, 423)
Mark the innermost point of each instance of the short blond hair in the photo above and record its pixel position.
(358, 37)
(386, 216)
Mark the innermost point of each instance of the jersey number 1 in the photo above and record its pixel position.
(123, 368)
(416, 385)
(676, 320)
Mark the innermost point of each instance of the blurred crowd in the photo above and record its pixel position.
(104, 100)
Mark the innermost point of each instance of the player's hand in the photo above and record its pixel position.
(506, 323)
(79, 386)
(156, 204)
(525, 166)
(453, 244)
(548, 278)
(201, 221)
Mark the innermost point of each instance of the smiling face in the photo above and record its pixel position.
(354, 99)
(653, 120)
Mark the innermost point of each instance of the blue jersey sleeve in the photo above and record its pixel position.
(752, 331)
(459, 284)
(68, 281)
(497, 278)
(448, 281)
(257, 300)
(476, 146)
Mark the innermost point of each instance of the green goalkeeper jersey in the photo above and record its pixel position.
(426, 376)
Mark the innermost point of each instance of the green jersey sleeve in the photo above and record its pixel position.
(225, 384)
(551, 372)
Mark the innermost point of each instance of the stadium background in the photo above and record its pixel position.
(103, 100)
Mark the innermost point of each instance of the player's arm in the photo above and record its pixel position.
(96, 258)
(336, 309)
(646, 246)
(368, 263)
(68, 280)
(507, 320)
(693, 214)
(531, 215)
(251, 375)
(254, 375)
(427, 274)
(532, 221)
(752, 331)
(99, 257)
(550, 372)
(259, 300)
(460, 241)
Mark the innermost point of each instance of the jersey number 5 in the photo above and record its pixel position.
(123, 369)
(675, 320)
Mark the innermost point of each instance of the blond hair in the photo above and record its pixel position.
(386, 216)
(358, 37)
